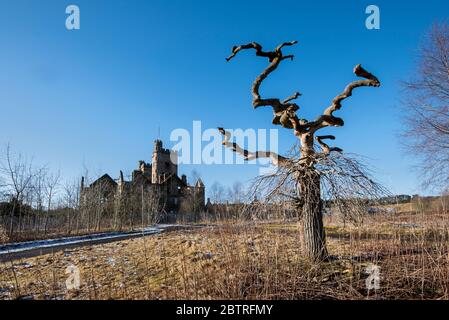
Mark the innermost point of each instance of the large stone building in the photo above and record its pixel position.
(156, 184)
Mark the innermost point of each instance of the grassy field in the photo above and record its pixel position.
(249, 261)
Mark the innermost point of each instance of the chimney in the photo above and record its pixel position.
(121, 182)
(184, 179)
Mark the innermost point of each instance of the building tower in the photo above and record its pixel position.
(164, 163)
(199, 195)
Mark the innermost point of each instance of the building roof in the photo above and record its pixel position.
(199, 183)
(176, 178)
(104, 179)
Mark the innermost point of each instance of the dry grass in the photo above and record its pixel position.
(3, 235)
(249, 261)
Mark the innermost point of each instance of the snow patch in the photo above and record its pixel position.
(51, 243)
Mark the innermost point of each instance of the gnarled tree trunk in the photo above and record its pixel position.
(313, 234)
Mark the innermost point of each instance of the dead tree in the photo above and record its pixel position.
(303, 170)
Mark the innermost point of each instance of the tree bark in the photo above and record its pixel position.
(313, 234)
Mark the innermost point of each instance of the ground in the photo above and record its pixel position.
(249, 261)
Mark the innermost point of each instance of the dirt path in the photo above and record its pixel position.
(14, 251)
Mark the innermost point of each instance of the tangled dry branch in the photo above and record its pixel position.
(347, 188)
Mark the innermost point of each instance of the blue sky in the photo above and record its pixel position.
(98, 96)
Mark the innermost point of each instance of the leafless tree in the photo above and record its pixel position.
(70, 200)
(300, 176)
(236, 193)
(427, 109)
(51, 185)
(18, 174)
(152, 207)
(3, 186)
(39, 189)
(217, 192)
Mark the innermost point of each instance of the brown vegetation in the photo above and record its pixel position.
(252, 261)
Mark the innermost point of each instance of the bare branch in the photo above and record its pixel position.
(285, 44)
(371, 81)
(271, 55)
(252, 45)
(276, 159)
(328, 119)
(295, 96)
(284, 111)
(326, 149)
